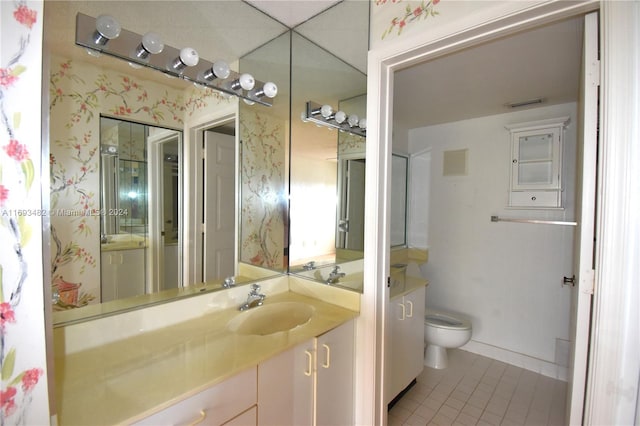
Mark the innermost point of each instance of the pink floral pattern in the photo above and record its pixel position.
(263, 206)
(411, 13)
(79, 93)
(17, 174)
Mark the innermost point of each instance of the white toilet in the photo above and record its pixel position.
(443, 330)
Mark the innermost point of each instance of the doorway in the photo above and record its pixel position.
(505, 283)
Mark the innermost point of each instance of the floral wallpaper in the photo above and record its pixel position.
(391, 19)
(23, 393)
(79, 93)
(264, 204)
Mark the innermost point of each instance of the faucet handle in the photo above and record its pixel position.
(255, 288)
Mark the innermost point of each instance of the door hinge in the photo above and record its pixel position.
(203, 228)
(203, 153)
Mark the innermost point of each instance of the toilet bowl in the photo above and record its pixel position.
(443, 330)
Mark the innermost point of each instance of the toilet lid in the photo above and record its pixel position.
(442, 320)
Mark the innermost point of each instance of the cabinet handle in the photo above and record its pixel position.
(404, 311)
(203, 415)
(309, 359)
(327, 359)
(410, 314)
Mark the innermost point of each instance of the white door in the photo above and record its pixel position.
(219, 201)
(585, 213)
(354, 239)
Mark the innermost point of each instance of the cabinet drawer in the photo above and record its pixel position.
(213, 406)
(535, 199)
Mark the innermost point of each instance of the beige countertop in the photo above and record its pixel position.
(129, 379)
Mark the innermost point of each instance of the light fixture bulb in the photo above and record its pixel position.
(353, 120)
(270, 90)
(151, 45)
(244, 81)
(219, 69)
(326, 111)
(107, 28)
(188, 58)
(362, 123)
(247, 82)
(340, 117)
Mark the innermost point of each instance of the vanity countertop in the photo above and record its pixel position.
(129, 379)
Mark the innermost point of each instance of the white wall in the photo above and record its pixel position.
(312, 209)
(505, 276)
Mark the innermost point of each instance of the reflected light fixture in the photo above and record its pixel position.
(324, 116)
(151, 44)
(107, 28)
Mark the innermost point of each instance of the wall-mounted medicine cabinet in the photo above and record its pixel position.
(536, 163)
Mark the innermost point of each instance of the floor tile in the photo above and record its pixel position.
(475, 390)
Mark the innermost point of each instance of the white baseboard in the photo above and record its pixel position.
(527, 362)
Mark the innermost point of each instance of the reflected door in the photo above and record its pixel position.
(351, 204)
(219, 198)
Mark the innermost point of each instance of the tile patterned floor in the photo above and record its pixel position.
(475, 390)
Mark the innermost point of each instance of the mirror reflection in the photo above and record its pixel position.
(129, 154)
(140, 183)
(320, 164)
(399, 187)
(269, 237)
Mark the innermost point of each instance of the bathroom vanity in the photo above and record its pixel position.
(212, 365)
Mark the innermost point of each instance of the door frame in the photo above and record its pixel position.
(193, 185)
(383, 62)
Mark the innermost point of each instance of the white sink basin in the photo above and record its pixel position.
(271, 318)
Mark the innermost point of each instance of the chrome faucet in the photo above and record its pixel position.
(335, 275)
(309, 266)
(229, 282)
(253, 299)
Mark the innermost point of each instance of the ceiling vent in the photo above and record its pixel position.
(525, 103)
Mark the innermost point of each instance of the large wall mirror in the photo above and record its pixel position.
(282, 164)
(121, 148)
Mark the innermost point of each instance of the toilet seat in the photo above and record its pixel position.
(446, 321)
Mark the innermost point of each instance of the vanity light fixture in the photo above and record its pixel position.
(151, 44)
(219, 70)
(149, 51)
(188, 58)
(107, 28)
(244, 81)
(269, 90)
(323, 115)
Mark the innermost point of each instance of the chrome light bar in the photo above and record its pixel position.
(126, 44)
